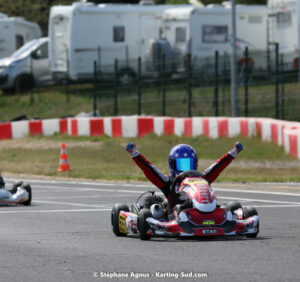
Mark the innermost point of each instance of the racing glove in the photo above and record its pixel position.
(131, 149)
(238, 147)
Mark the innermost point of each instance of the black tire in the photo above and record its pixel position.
(149, 200)
(233, 206)
(27, 187)
(143, 226)
(23, 83)
(247, 212)
(115, 218)
(126, 77)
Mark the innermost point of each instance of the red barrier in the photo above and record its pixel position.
(35, 127)
(222, 127)
(145, 126)
(293, 140)
(63, 126)
(116, 127)
(205, 125)
(96, 127)
(5, 131)
(244, 126)
(169, 125)
(188, 127)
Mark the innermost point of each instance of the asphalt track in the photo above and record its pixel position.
(66, 236)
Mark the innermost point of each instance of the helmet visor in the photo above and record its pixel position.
(184, 164)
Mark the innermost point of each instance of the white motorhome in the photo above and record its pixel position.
(84, 32)
(202, 31)
(15, 32)
(284, 28)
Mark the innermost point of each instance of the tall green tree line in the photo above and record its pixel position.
(38, 10)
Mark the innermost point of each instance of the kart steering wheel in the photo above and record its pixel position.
(177, 180)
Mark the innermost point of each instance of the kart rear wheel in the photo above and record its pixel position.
(143, 226)
(27, 187)
(248, 212)
(115, 218)
(233, 206)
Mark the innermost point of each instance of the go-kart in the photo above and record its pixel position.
(19, 194)
(201, 217)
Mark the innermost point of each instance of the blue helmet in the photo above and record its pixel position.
(182, 158)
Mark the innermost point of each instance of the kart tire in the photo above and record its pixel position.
(143, 226)
(150, 200)
(248, 212)
(27, 187)
(115, 218)
(233, 206)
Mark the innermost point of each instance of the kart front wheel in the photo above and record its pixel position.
(233, 206)
(27, 187)
(248, 212)
(115, 218)
(143, 226)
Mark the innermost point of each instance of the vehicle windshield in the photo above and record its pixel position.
(24, 49)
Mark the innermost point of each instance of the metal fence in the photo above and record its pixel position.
(268, 86)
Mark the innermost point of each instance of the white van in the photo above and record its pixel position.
(26, 68)
(15, 32)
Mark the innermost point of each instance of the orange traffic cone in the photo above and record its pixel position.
(63, 162)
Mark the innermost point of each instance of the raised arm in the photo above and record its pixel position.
(151, 172)
(214, 170)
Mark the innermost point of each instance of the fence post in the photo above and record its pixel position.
(139, 86)
(95, 89)
(189, 85)
(216, 92)
(277, 80)
(67, 76)
(282, 88)
(163, 85)
(246, 72)
(116, 88)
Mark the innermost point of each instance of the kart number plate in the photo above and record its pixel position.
(209, 231)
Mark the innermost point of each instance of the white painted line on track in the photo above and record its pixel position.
(257, 192)
(75, 197)
(259, 200)
(147, 186)
(69, 204)
(79, 189)
(274, 206)
(54, 211)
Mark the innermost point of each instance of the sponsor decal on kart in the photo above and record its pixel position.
(131, 223)
(208, 222)
(122, 224)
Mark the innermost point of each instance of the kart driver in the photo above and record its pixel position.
(181, 158)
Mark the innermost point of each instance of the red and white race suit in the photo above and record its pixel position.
(163, 182)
